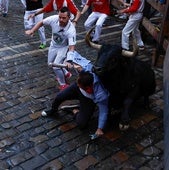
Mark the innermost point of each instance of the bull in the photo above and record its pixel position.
(124, 76)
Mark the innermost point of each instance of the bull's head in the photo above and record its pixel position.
(108, 58)
(108, 55)
(98, 46)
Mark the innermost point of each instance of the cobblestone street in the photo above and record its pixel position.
(27, 86)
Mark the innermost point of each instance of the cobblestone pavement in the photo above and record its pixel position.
(27, 86)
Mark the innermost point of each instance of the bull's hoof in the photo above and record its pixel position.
(124, 125)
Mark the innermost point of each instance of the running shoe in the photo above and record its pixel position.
(42, 46)
(62, 87)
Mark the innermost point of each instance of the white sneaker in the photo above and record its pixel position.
(47, 113)
(123, 17)
(43, 113)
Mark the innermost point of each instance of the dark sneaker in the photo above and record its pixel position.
(4, 14)
(47, 113)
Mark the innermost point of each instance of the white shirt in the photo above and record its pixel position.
(61, 36)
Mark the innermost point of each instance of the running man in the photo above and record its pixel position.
(62, 43)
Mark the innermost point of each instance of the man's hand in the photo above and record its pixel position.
(69, 65)
(74, 22)
(29, 32)
(99, 132)
(120, 11)
(31, 16)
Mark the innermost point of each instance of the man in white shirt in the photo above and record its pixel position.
(63, 41)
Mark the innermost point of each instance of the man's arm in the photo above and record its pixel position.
(47, 8)
(85, 8)
(35, 28)
(71, 48)
(133, 8)
(77, 16)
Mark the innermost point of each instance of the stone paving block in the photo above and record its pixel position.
(6, 125)
(53, 124)
(38, 139)
(54, 142)
(52, 153)
(67, 126)
(136, 123)
(2, 99)
(24, 127)
(35, 115)
(156, 164)
(103, 153)
(113, 135)
(4, 106)
(72, 134)
(139, 147)
(24, 119)
(86, 162)
(6, 142)
(53, 165)
(120, 157)
(33, 163)
(40, 148)
(69, 158)
(53, 133)
(9, 117)
(74, 143)
(8, 132)
(4, 165)
(19, 158)
(160, 145)
(134, 162)
(13, 102)
(107, 164)
(151, 151)
(148, 117)
(39, 129)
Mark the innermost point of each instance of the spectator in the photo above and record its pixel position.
(57, 5)
(100, 11)
(63, 41)
(132, 26)
(32, 6)
(4, 4)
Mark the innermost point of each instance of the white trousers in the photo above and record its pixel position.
(132, 26)
(99, 18)
(29, 24)
(4, 4)
(57, 56)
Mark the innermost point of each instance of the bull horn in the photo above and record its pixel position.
(131, 53)
(89, 42)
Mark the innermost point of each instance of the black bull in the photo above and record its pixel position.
(126, 78)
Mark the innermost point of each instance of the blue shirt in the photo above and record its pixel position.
(100, 95)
